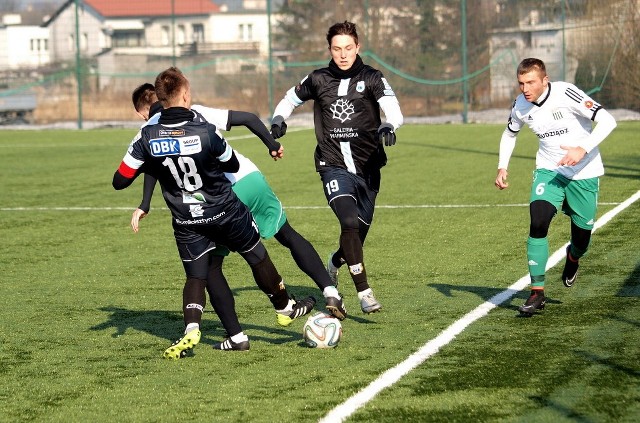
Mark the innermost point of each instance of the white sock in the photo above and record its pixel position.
(239, 337)
(361, 294)
(191, 326)
(331, 291)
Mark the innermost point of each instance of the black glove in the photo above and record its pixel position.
(278, 127)
(386, 134)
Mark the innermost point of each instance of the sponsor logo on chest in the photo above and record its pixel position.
(553, 133)
(161, 147)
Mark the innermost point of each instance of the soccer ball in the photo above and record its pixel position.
(322, 331)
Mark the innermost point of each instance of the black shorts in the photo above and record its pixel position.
(236, 230)
(195, 257)
(338, 182)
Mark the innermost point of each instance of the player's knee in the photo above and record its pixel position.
(538, 229)
(256, 255)
(349, 223)
(541, 213)
(286, 235)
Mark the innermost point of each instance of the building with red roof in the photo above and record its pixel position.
(106, 24)
(138, 38)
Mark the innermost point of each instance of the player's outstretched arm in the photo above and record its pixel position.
(255, 125)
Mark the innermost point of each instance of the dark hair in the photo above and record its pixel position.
(143, 96)
(169, 83)
(342, 28)
(532, 64)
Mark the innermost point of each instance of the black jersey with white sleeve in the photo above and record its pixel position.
(346, 116)
(188, 157)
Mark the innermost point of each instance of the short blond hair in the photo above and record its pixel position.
(532, 64)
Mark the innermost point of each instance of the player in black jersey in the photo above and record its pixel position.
(188, 156)
(348, 96)
(253, 190)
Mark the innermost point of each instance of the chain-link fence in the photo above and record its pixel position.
(441, 57)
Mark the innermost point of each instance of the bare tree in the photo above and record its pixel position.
(419, 43)
(624, 83)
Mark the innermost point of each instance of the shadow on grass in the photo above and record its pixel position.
(562, 410)
(167, 325)
(631, 285)
(305, 291)
(500, 297)
(607, 362)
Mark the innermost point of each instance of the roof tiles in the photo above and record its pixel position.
(139, 8)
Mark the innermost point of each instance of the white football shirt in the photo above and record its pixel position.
(563, 115)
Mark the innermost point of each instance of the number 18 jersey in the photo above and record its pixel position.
(185, 158)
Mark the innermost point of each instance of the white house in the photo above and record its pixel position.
(22, 46)
(167, 28)
(131, 26)
(138, 36)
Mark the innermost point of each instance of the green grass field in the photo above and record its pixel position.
(87, 307)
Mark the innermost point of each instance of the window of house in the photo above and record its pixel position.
(128, 38)
(45, 44)
(71, 43)
(249, 36)
(32, 44)
(198, 33)
(84, 42)
(165, 35)
(245, 32)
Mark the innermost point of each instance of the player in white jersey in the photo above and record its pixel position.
(568, 167)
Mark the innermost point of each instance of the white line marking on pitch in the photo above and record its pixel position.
(75, 145)
(391, 376)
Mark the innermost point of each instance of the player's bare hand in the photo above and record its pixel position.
(278, 154)
(135, 219)
(573, 156)
(501, 179)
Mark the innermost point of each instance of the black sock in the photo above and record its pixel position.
(221, 297)
(352, 247)
(193, 300)
(305, 256)
(270, 282)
